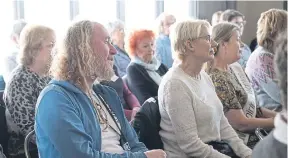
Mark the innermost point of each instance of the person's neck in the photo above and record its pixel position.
(220, 64)
(192, 67)
(39, 70)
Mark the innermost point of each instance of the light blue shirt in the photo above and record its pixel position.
(245, 54)
(121, 61)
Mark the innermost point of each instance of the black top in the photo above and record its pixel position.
(147, 124)
(140, 83)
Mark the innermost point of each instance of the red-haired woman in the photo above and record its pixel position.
(145, 72)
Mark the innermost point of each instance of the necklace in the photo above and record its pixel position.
(101, 114)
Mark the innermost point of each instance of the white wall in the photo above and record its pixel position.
(252, 11)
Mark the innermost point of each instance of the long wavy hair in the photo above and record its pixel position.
(74, 55)
(269, 25)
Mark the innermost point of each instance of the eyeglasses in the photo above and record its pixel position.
(241, 24)
(207, 38)
(108, 40)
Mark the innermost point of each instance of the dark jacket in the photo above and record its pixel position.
(147, 124)
(140, 83)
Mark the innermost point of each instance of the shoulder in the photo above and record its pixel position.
(134, 70)
(173, 83)
(18, 79)
(103, 89)
(54, 97)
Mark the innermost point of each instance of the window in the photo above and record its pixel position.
(99, 10)
(180, 9)
(6, 16)
(139, 13)
(48, 12)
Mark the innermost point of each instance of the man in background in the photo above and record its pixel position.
(238, 18)
(10, 59)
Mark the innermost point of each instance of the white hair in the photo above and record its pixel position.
(183, 31)
(113, 25)
(160, 20)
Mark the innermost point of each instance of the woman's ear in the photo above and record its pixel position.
(189, 45)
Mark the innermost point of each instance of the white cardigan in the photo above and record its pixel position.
(192, 115)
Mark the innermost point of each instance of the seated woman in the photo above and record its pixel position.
(116, 30)
(191, 113)
(259, 66)
(145, 72)
(128, 100)
(26, 82)
(233, 87)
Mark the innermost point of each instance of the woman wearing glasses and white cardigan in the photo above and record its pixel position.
(192, 119)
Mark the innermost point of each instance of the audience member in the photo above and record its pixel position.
(260, 68)
(275, 144)
(238, 18)
(216, 17)
(75, 119)
(163, 44)
(10, 61)
(26, 82)
(145, 72)
(116, 30)
(233, 87)
(192, 119)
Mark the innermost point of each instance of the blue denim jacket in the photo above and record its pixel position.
(163, 50)
(66, 124)
(121, 61)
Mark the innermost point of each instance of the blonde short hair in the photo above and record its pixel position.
(31, 41)
(270, 24)
(183, 31)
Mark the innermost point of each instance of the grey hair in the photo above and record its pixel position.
(112, 26)
(160, 21)
(280, 64)
(221, 32)
(18, 26)
(183, 31)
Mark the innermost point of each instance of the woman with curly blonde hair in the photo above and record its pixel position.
(260, 68)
